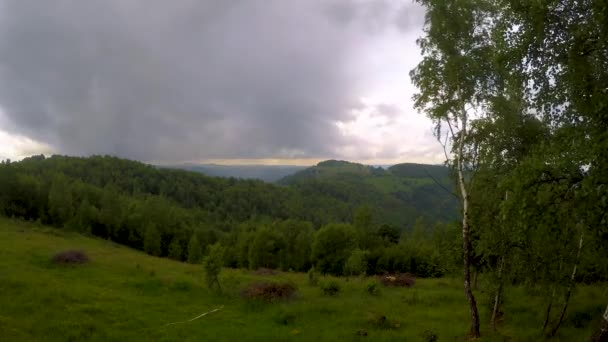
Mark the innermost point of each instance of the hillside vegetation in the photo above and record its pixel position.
(179, 214)
(125, 295)
(401, 190)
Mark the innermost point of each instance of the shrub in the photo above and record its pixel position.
(212, 265)
(72, 257)
(330, 287)
(398, 280)
(429, 336)
(269, 291)
(372, 287)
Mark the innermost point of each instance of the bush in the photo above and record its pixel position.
(429, 336)
(330, 287)
(72, 257)
(269, 291)
(398, 280)
(372, 287)
(212, 265)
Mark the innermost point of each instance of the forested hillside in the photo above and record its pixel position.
(402, 190)
(177, 213)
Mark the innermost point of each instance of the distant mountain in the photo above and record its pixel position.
(267, 173)
(402, 190)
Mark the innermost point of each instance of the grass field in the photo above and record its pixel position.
(125, 295)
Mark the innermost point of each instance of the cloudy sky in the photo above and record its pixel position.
(232, 81)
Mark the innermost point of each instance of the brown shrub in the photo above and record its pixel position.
(269, 292)
(399, 280)
(71, 257)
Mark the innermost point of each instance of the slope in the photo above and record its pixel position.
(124, 295)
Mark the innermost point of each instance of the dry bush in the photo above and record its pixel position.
(398, 280)
(71, 257)
(269, 291)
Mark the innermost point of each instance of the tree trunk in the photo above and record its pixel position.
(548, 313)
(569, 290)
(498, 295)
(466, 237)
(601, 334)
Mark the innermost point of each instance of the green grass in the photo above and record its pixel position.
(125, 295)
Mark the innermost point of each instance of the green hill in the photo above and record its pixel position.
(402, 190)
(125, 295)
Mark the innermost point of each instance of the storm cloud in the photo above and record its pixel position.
(189, 79)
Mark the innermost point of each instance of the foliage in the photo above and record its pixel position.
(195, 253)
(329, 287)
(152, 240)
(267, 249)
(212, 265)
(175, 249)
(332, 246)
(372, 287)
(356, 264)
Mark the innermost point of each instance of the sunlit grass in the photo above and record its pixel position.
(125, 295)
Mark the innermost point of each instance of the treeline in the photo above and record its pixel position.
(179, 214)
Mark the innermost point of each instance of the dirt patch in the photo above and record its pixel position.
(397, 280)
(72, 257)
(269, 291)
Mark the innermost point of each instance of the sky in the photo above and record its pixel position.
(223, 81)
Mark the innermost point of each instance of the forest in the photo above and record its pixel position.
(518, 94)
(179, 214)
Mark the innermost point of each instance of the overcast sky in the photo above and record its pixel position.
(251, 81)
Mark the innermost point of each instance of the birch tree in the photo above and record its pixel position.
(450, 79)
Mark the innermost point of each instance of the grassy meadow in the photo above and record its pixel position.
(126, 295)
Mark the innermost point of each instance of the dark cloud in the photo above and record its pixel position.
(183, 80)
